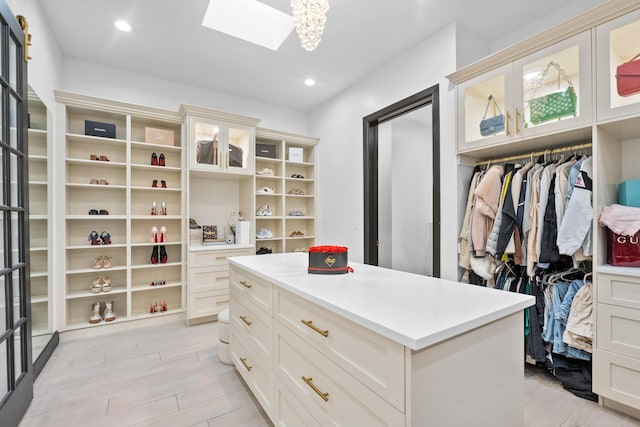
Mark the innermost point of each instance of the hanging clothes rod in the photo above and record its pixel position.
(535, 154)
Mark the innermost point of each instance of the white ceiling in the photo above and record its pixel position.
(360, 35)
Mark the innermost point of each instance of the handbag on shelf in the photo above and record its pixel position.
(554, 105)
(494, 124)
(628, 77)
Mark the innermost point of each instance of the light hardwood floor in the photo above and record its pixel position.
(170, 375)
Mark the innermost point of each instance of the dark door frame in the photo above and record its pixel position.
(370, 139)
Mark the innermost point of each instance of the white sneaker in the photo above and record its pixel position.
(266, 190)
(264, 233)
(265, 172)
(264, 211)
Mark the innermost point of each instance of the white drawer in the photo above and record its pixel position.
(617, 377)
(619, 290)
(254, 324)
(618, 329)
(374, 360)
(288, 411)
(256, 290)
(208, 278)
(332, 396)
(258, 376)
(207, 303)
(214, 258)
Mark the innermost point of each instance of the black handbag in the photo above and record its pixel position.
(494, 124)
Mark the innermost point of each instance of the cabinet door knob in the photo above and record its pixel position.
(310, 324)
(244, 362)
(309, 381)
(244, 319)
(246, 285)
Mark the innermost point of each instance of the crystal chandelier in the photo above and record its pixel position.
(310, 18)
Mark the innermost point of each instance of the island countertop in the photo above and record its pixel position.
(414, 310)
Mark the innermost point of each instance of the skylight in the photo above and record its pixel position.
(249, 20)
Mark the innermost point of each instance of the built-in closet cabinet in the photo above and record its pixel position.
(123, 216)
(513, 86)
(285, 184)
(607, 120)
(220, 184)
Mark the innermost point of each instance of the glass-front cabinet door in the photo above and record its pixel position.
(545, 92)
(219, 145)
(618, 67)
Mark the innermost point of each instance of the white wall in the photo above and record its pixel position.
(338, 124)
(92, 79)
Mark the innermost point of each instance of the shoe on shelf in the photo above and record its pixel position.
(296, 213)
(93, 212)
(163, 306)
(163, 208)
(96, 285)
(163, 183)
(107, 262)
(103, 182)
(264, 233)
(94, 157)
(154, 208)
(153, 308)
(98, 263)
(154, 183)
(296, 192)
(264, 251)
(103, 212)
(266, 190)
(103, 158)
(296, 233)
(297, 175)
(154, 234)
(106, 283)
(95, 317)
(163, 255)
(161, 160)
(264, 211)
(94, 181)
(163, 235)
(154, 159)
(265, 172)
(94, 238)
(299, 250)
(106, 238)
(154, 255)
(108, 311)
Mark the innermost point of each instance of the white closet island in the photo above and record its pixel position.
(376, 346)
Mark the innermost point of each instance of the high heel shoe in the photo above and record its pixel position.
(109, 315)
(163, 234)
(103, 182)
(161, 160)
(163, 306)
(154, 159)
(163, 255)
(98, 263)
(95, 313)
(153, 308)
(94, 181)
(94, 238)
(163, 183)
(154, 255)
(103, 158)
(154, 234)
(154, 208)
(96, 286)
(107, 262)
(106, 238)
(163, 208)
(154, 183)
(106, 283)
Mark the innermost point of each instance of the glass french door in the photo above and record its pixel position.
(16, 375)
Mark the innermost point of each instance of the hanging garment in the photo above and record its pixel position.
(573, 176)
(532, 237)
(465, 244)
(563, 294)
(533, 340)
(579, 331)
(562, 183)
(485, 208)
(549, 249)
(492, 240)
(575, 230)
(545, 181)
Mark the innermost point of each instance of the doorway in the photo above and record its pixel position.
(402, 183)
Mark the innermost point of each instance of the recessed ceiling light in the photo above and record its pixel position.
(309, 81)
(123, 26)
(249, 20)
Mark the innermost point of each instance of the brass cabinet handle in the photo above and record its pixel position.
(244, 362)
(244, 319)
(310, 324)
(246, 285)
(222, 302)
(309, 381)
(517, 121)
(508, 118)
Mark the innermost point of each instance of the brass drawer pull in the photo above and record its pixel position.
(222, 302)
(310, 324)
(309, 381)
(246, 285)
(244, 319)
(244, 362)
